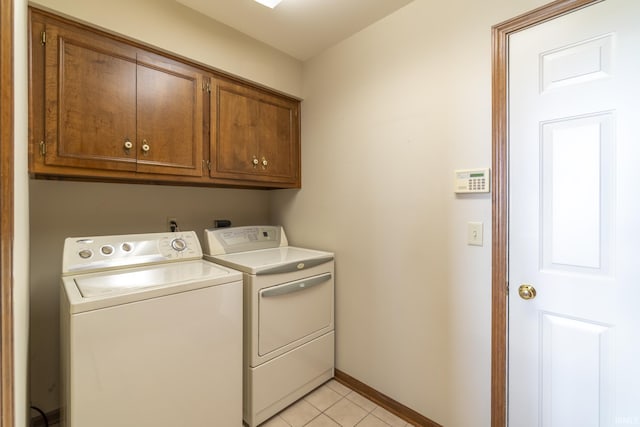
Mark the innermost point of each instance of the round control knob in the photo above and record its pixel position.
(178, 245)
(85, 253)
(106, 250)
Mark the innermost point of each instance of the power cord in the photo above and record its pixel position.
(42, 414)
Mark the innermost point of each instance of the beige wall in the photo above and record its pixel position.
(175, 28)
(387, 116)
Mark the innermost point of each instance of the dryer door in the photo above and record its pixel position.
(293, 313)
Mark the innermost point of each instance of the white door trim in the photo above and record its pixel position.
(500, 202)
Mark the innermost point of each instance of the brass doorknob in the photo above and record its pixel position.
(527, 292)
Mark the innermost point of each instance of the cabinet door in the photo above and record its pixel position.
(170, 117)
(254, 135)
(90, 101)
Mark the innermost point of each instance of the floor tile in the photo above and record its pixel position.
(322, 421)
(335, 405)
(323, 398)
(389, 418)
(300, 413)
(361, 401)
(339, 388)
(346, 413)
(372, 421)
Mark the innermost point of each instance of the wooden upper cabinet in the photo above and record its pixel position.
(111, 106)
(105, 108)
(170, 117)
(254, 135)
(90, 100)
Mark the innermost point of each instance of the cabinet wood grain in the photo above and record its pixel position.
(255, 135)
(90, 100)
(105, 108)
(170, 111)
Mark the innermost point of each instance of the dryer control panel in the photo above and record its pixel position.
(220, 241)
(107, 252)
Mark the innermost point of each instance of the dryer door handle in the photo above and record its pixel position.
(298, 285)
(294, 266)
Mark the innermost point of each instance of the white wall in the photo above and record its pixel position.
(387, 116)
(175, 28)
(21, 218)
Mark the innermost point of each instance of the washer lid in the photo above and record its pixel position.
(133, 280)
(271, 261)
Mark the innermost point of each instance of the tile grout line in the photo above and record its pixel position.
(343, 397)
(339, 392)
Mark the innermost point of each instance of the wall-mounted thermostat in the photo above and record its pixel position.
(472, 180)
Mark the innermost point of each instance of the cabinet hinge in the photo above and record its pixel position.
(206, 164)
(206, 87)
(43, 37)
(43, 148)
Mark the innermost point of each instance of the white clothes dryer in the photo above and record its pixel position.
(288, 315)
(151, 334)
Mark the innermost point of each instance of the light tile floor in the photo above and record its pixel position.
(334, 405)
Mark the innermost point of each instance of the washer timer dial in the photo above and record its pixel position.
(178, 245)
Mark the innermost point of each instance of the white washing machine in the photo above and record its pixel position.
(289, 315)
(151, 334)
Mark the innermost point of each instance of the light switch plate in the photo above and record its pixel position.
(474, 233)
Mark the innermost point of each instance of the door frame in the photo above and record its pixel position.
(6, 214)
(500, 197)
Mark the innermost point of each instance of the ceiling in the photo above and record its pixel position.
(300, 28)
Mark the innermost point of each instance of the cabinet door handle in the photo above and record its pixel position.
(128, 145)
(265, 163)
(255, 161)
(145, 147)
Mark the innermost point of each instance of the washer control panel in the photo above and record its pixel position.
(106, 252)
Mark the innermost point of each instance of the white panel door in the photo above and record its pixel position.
(574, 219)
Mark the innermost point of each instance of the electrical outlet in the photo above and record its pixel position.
(172, 224)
